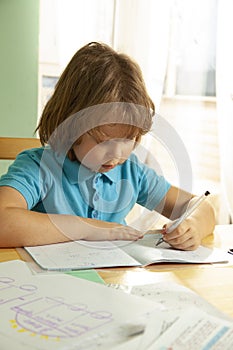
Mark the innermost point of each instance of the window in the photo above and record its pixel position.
(65, 26)
(192, 51)
(189, 94)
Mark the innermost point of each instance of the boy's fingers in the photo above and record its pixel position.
(126, 233)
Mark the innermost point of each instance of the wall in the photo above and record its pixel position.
(19, 28)
(19, 41)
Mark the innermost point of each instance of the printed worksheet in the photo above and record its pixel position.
(193, 330)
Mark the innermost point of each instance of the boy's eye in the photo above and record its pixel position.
(99, 139)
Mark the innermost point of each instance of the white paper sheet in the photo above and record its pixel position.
(175, 297)
(63, 312)
(174, 300)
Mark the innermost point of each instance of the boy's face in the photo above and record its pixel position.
(105, 151)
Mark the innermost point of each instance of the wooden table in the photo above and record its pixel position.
(214, 282)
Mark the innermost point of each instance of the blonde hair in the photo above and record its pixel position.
(95, 75)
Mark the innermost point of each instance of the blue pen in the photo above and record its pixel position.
(187, 213)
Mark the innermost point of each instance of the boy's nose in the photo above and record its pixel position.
(114, 150)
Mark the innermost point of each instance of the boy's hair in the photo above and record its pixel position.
(95, 75)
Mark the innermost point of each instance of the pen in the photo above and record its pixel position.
(187, 213)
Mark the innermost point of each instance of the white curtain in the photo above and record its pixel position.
(224, 86)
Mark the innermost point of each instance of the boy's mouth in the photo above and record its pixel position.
(108, 166)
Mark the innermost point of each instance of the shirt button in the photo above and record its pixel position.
(96, 180)
(95, 214)
(96, 197)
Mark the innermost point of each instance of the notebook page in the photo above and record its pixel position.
(80, 255)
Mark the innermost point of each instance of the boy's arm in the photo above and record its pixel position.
(22, 227)
(199, 224)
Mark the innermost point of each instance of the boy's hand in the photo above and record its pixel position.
(186, 236)
(109, 231)
(125, 233)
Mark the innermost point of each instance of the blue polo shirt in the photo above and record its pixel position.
(52, 183)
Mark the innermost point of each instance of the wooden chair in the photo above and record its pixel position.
(11, 146)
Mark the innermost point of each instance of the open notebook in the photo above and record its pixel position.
(85, 254)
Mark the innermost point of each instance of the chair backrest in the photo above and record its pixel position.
(11, 146)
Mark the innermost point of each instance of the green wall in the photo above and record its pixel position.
(19, 47)
(19, 42)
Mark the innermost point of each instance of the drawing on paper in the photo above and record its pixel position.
(56, 318)
(49, 316)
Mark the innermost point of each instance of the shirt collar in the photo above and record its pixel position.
(77, 173)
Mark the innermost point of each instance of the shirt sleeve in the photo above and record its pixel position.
(24, 176)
